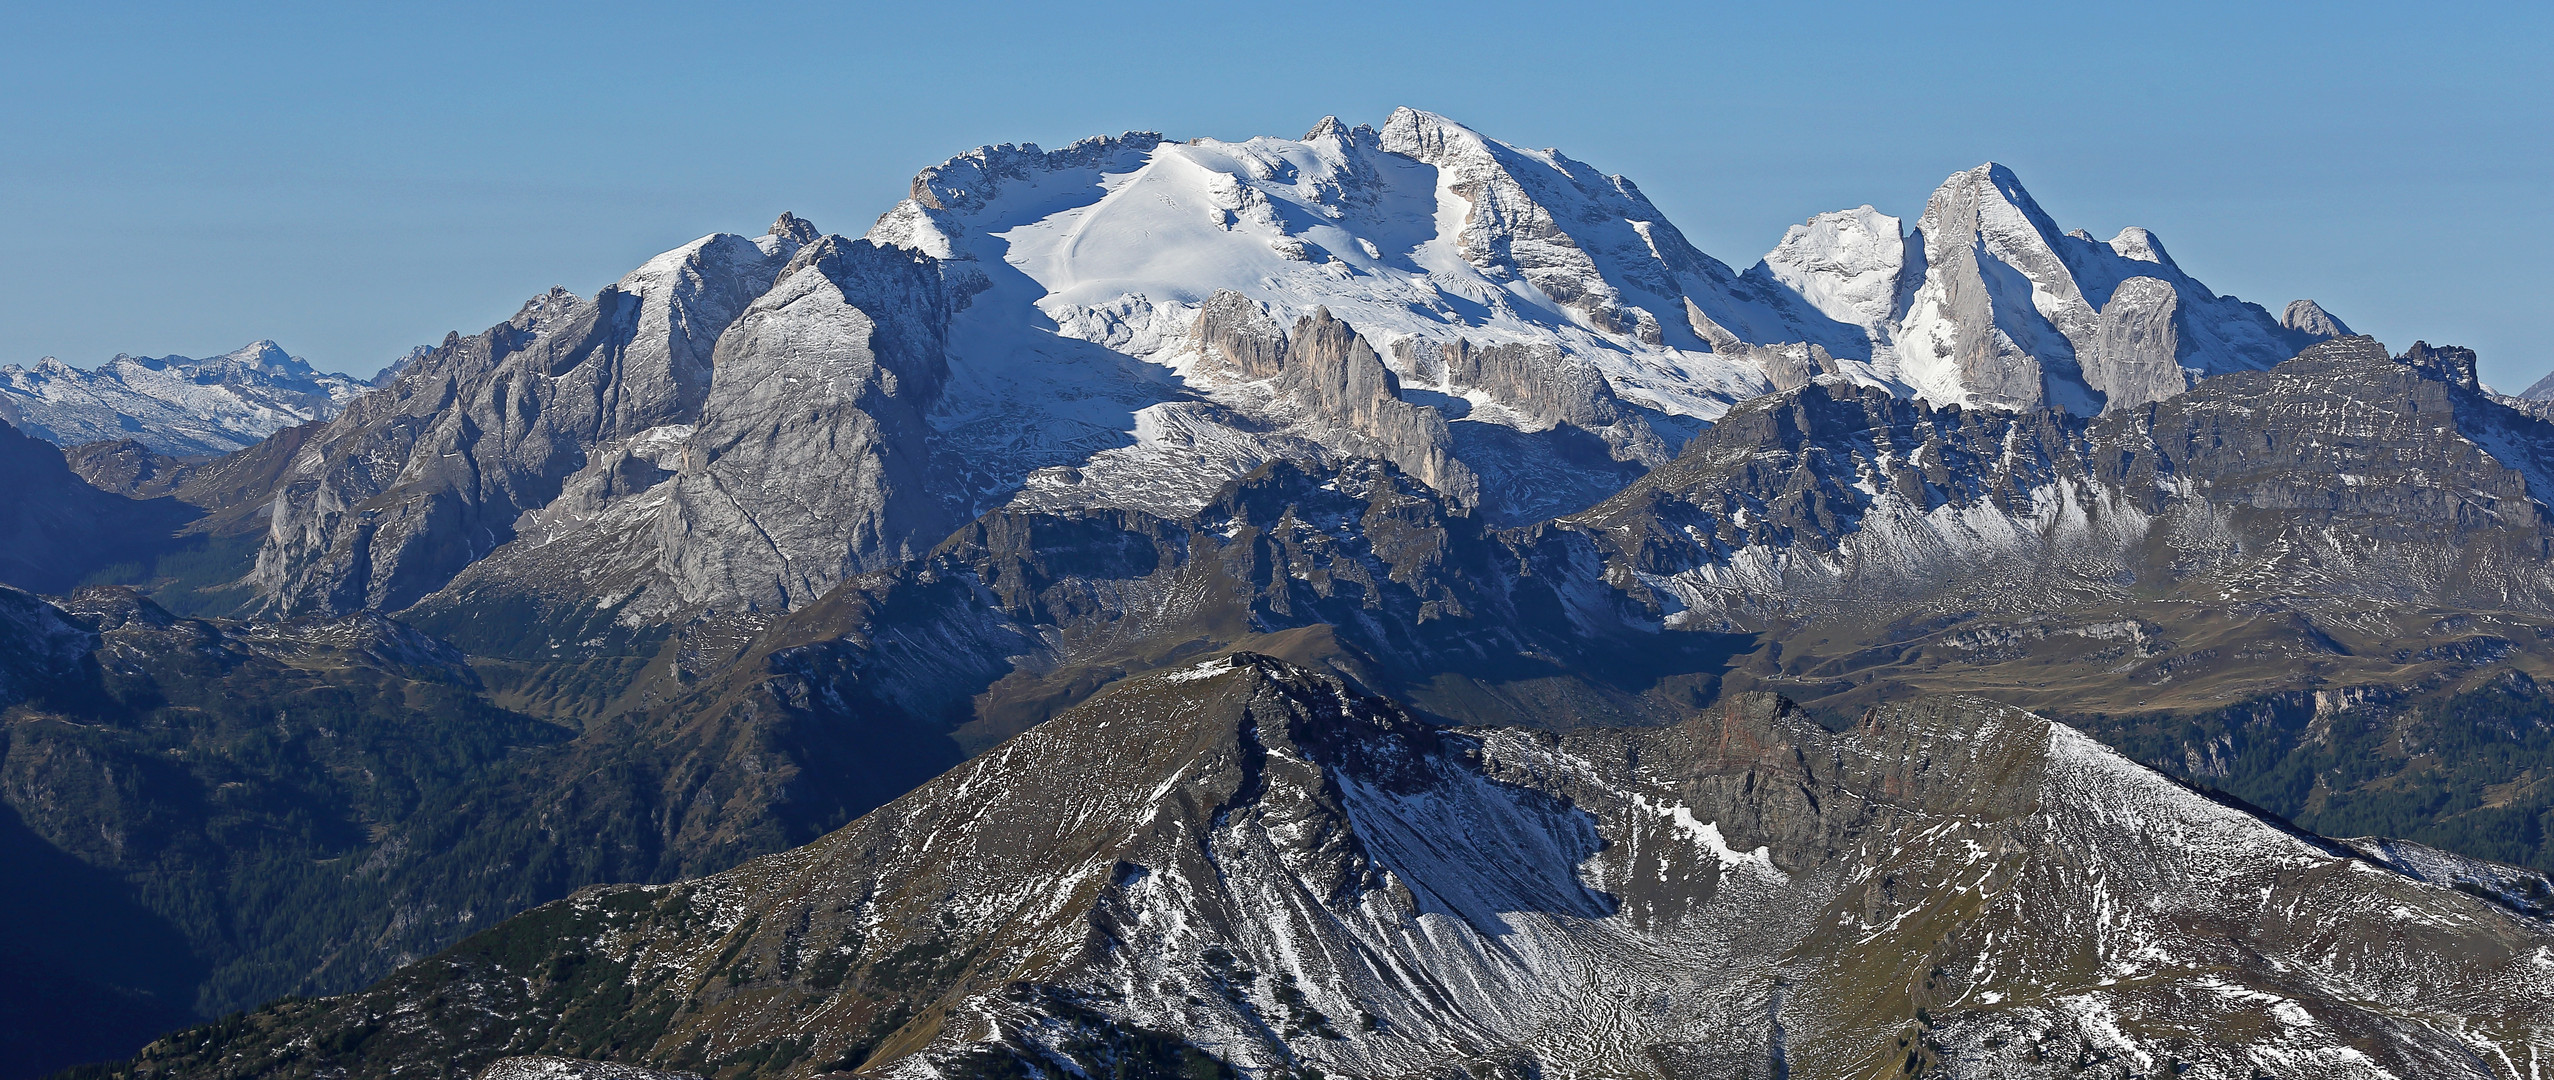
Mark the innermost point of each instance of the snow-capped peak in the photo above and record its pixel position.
(2140, 245)
(1424, 236)
(263, 353)
(1845, 263)
(1991, 303)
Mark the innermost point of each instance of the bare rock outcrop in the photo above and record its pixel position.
(2451, 363)
(2001, 308)
(421, 478)
(1335, 386)
(1551, 388)
(1234, 333)
(1981, 233)
(2307, 318)
(2138, 345)
(809, 464)
(1338, 378)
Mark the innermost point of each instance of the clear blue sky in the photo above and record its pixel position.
(353, 179)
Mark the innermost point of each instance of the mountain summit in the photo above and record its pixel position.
(1381, 603)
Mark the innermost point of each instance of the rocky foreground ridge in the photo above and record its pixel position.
(1242, 867)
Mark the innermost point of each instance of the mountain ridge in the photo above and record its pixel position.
(175, 404)
(1743, 868)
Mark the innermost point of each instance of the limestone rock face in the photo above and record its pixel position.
(1507, 227)
(1836, 498)
(1794, 365)
(1988, 302)
(810, 461)
(1551, 389)
(1331, 386)
(1234, 331)
(1988, 254)
(2542, 390)
(1591, 242)
(2450, 363)
(427, 475)
(1135, 322)
(2137, 348)
(1335, 375)
(791, 227)
(2308, 319)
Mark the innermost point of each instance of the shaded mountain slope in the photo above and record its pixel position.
(56, 528)
(173, 404)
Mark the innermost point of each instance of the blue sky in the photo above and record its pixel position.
(355, 179)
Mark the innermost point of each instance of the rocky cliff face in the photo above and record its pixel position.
(173, 404)
(2309, 319)
(425, 477)
(1242, 867)
(1128, 246)
(811, 458)
(1134, 322)
(775, 529)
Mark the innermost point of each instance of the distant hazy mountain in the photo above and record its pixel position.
(56, 527)
(173, 404)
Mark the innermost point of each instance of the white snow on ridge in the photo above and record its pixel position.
(173, 404)
(1845, 263)
(1086, 266)
(1113, 243)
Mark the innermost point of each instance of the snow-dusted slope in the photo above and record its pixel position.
(173, 404)
(1081, 349)
(425, 476)
(1089, 266)
(1133, 322)
(1988, 302)
(1245, 868)
(2340, 473)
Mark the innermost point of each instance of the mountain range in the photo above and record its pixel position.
(1381, 603)
(175, 405)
